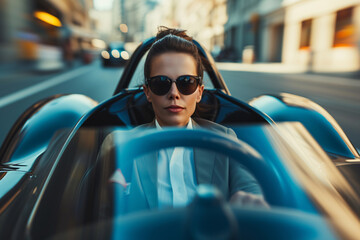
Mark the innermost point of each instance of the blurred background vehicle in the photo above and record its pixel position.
(115, 55)
(227, 55)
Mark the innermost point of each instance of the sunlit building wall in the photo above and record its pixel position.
(197, 20)
(204, 20)
(322, 35)
(104, 26)
(253, 31)
(113, 21)
(107, 18)
(135, 16)
(218, 17)
(271, 32)
(161, 15)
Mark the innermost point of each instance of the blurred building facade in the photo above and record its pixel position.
(45, 34)
(103, 23)
(118, 15)
(322, 35)
(14, 18)
(143, 17)
(205, 20)
(135, 17)
(254, 30)
(161, 15)
(78, 27)
(318, 35)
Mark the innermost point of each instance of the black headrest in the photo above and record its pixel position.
(140, 110)
(131, 108)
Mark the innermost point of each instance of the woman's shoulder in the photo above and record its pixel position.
(212, 125)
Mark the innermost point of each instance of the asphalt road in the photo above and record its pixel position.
(339, 96)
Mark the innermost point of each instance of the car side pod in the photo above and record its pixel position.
(32, 132)
(322, 126)
(209, 217)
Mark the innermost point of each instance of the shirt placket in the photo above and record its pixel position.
(177, 177)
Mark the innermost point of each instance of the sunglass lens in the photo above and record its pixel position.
(186, 84)
(160, 85)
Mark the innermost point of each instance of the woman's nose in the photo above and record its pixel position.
(174, 92)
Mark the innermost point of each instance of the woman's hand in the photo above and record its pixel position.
(248, 199)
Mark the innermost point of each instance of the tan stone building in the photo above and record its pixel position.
(316, 35)
(135, 17)
(205, 20)
(322, 35)
(255, 27)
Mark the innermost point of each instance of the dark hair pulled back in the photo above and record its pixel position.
(172, 40)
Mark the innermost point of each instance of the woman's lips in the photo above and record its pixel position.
(174, 108)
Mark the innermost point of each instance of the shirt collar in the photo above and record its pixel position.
(188, 126)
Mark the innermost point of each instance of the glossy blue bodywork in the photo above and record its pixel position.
(31, 135)
(321, 125)
(33, 131)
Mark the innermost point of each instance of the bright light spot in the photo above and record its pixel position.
(105, 54)
(48, 18)
(125, 55)
(98, 43)
(123, 28)
(115, 53)
(103, 4)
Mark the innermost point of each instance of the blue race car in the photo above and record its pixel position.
(67, 168)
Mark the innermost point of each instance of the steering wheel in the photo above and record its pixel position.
(152, 140)
(209, 216)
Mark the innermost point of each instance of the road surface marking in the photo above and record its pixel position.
(26, 92)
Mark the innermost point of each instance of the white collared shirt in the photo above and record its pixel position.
(176, 175)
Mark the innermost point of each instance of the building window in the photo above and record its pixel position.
(305, 34)
(344, 28)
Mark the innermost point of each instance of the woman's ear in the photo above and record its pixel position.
(200, 92)
(146, 91)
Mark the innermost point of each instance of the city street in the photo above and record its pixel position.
(61, 63)
(340, 96)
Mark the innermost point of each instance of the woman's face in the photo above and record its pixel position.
(173, 108)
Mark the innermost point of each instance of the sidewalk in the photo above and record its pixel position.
(281, 68)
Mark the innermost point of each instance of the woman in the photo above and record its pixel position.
(173, 58)
(173, 85)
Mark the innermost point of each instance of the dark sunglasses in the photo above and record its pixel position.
(160, 85)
